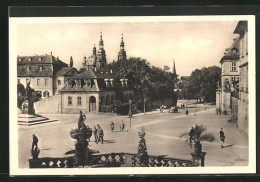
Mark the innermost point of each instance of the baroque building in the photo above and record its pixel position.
(45, 73)
(242, 30)
(232, 95)
(229, 75)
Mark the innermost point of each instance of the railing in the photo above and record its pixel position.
(109, 160)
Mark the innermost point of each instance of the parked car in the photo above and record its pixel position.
(173, 109)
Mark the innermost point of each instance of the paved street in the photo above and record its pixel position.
(163, 136)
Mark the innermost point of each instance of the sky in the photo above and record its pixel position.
(191, 44)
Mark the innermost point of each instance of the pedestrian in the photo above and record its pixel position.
(35, 141)
(217, 110)
(192, 134)
(100, 134)
(187, 112)
(222, 137)
(122, 126)
(112, 125)
(95, 133)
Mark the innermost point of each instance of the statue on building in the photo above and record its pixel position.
(226, 86)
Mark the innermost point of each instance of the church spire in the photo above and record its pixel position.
(174, 69)
(71, 61)
(122, 53)
(122, 44)
(101, 42)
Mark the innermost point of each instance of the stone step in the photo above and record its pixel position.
(30, 120)
(35, 123)
(28, 115)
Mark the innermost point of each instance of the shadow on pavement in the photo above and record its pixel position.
(229, 145)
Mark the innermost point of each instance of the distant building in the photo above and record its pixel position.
(46, 73)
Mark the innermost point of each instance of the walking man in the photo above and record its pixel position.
(80, 120)
(191, 134)
(122, 127)
(222, 137)
(187, 112)
(35, 141)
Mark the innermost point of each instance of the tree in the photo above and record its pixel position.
(148, 82)
(203, 83)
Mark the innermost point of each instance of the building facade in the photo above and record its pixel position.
(229, 75)
(45, 73)
(93, 91)
(242, 30)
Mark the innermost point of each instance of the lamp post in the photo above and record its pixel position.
(130, 111)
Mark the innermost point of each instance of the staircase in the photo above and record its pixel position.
(28, 119)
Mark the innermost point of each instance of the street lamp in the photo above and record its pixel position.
(130, 111)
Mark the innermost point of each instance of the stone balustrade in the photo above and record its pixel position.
(109, 160)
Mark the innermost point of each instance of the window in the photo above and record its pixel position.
(18, 81)
(59, 82)
(38, 82)
(233, 66)
(79, 101)
(29, 59)
(39, 59)
(28, 68)
(46, 81)
(41, 68)
(69, 101)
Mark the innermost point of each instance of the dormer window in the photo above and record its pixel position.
(20, 59)
(29, 59)
(39, 59)
(28, 68)
(41, 68)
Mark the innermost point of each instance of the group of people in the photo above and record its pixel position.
(98, 134)
(122, 126)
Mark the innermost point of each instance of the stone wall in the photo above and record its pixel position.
(243, 113)
(49, 105)
(234, 110)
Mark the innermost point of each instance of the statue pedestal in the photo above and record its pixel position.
(27, 107)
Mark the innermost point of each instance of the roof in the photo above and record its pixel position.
(39, 59)
(241, 27)
(98, 74)
(67, 71)
(232, 53)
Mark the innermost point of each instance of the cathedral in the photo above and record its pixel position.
(98, 58)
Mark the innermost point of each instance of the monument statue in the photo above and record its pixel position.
(27, 106)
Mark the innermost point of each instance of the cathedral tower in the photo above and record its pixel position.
(101, 55)
(122, 53)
